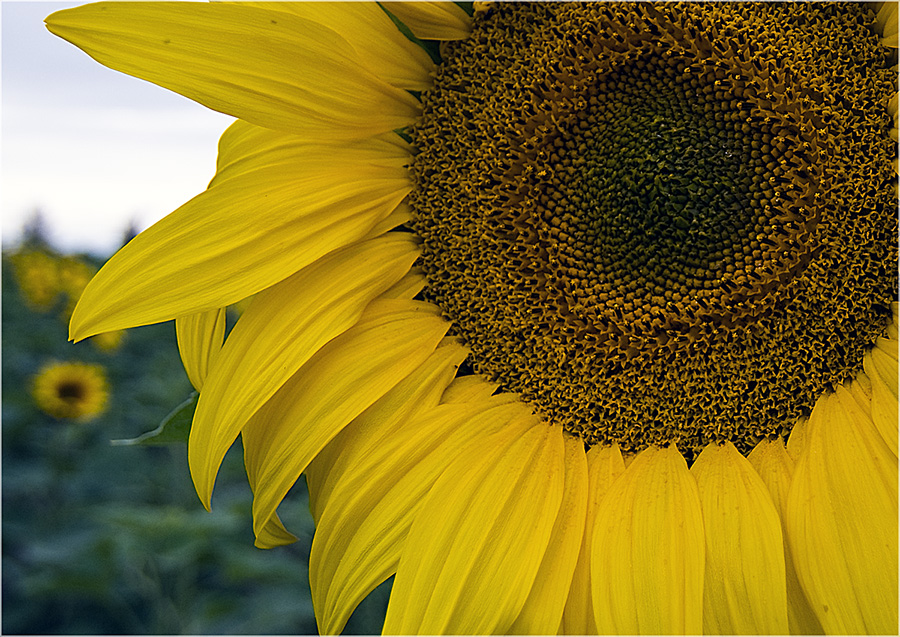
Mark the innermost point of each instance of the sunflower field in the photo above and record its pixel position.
(102, 535)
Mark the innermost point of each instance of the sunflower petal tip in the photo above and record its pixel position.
(202, 485)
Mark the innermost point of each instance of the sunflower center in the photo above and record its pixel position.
(70, 392)
(642, 217)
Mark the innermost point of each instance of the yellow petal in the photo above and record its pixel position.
(881, 368)
(842, 520)
(341, 381)
(468, 388)
(887, 346)
(648, 553)
(797, 439)
(379, 492)
(398, 216)
(408, 287)
(775, 467)
(200, 338)
(282, 328)
(477, 543)
(891, 330)
(360, 526)
(244, 147)
(272, 215)
(352, 450)
(274, 534)
(861, 390)
(433, 20)
(886, 23)
(267, 67)
(744, 589)
(605, 465)
(367, 28)
(543, 610)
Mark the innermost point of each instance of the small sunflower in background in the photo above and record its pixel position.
(74, 275)
(108, 341)
(583, 321)
(37, 275)
(72, 391)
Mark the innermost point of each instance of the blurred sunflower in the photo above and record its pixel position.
(108, 341)
(71, 390)
(37, 275)
(74, 275)
(663, 238)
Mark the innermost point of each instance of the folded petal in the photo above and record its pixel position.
(342, 380)
(478, 541)
(269, 68)
(408, 287)
(381, 47)
(776, 468)
(433, 20)
(544, 607)
(359, 539)
(605, 465)
(744, 591)
(880, 365)
(200, 338)
(284, 326)
(796, 441)
(345, 454)
(469, 388)
(648, 556)
(245, 147)
(269, 212)
(842, 520)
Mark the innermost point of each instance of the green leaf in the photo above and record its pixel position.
(174, 428)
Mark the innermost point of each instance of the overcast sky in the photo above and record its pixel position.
(91, 148)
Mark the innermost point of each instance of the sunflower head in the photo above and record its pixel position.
(72, 391)
(583, 321)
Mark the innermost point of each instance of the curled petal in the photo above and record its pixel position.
(200, 339)
(433, 20)
(282, 329)
(342, 380)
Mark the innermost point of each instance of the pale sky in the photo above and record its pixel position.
(91, 148)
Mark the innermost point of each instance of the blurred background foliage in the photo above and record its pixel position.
(106, 539)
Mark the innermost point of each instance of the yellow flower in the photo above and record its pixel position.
(37, 276)
(108, 341)
(589, 326)
(74, 275)
(71, 390)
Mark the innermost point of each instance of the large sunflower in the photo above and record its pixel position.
(583, 321)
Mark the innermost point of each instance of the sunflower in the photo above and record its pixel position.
(74, 275)
(37, 275)
(71, 390)
(582, 321)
